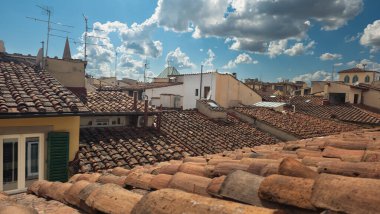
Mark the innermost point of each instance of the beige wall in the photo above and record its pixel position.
(342, 88)
(317, 86)
(372, 98)
(65, 124)
(68, 72)
(230, 91)
(361, 76)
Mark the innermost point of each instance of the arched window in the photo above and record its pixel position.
(366, 79)
(355, 79)
(347, 79)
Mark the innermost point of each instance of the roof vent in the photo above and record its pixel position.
(2, 47)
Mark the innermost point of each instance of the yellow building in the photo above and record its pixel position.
(358, 75)
(39, 125)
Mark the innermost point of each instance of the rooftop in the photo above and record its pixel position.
(314, 175)
(170, 70)
(183, 133)
(355, 70)
(112, 102)
(298, 124)
(27, 89)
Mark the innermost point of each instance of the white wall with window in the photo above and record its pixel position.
(22, 160)
(103, 121)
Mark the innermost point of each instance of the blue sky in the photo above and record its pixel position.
(288, 39)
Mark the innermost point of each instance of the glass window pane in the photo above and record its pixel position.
(31, 163)
(10, 150)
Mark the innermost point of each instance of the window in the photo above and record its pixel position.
(367, 79)
(102, 122)
(206, 91)
(196, 92)
(31, 154)
(347, 79)
(355, 79)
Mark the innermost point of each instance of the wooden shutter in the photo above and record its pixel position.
(58, 156)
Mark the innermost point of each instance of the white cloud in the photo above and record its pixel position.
(338, 64)
(273, 20)
(314, 76)
(330, 56)
(210, 59)
(371, 36)
(243, 58)
(276, 48)
(136, 45)
(369, 65)
(179, 60)
(349, 39)
(351, 63)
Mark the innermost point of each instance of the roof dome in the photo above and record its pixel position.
(170, 70)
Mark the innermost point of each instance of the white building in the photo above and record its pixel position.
(225, 89)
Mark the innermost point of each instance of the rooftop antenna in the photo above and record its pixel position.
(115, 64)
(86, 36)
(200, 89)
(332, 73)
(146, 67)
(364, 65)
(48, 12)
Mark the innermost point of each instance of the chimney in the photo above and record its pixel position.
(66, 51)
(2, 47)
(135, 94)
(234, 75)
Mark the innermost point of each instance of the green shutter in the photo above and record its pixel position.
(58, 156)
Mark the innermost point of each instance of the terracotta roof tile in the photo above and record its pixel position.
(276, 184)
(301, 125)
(25, 89)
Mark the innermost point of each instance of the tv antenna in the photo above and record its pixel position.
(86, 36)
(364, 65)
(146, 67)
(48, 11)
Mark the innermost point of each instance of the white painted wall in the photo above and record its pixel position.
(155, 93)
(192, 82)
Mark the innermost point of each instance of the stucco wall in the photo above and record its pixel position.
(44, 125)
(361, 76)
(69, 73)
(317, 86)
(230, 91)
(156, 93)
(341, 88)
(372, 98)
(192, 82)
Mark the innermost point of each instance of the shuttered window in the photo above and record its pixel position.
(58, 156)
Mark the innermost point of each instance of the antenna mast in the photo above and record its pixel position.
(146, 67)
(115, 64)
(85, 37)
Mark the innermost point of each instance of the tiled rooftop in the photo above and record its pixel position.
(333, 174)
(25, 89)
(312, 105)
(112, 101)
(298, 124)
(183, 133)
(212, 105)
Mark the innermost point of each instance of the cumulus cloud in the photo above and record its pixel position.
(371, 36)
(136, 45)
(210, 59)
(243, 58)
(369, 65)
(314, 76)
(330, 56)
(276, 48)
(179, 59)
(338, 64)
(251, 25)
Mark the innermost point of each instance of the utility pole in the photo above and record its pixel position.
(332, 73)
(200, 89)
